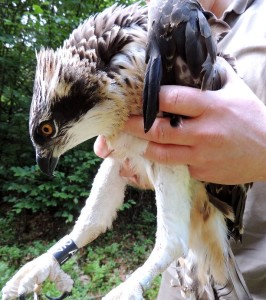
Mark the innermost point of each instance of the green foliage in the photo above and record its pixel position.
(127, 204)
(31, 190)
(100, 266)
(26, 26)
(12, 257)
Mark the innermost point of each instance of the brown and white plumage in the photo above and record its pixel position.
(90, 86)
(182, 49)
(94, 64)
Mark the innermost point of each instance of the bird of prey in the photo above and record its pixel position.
(89, 87)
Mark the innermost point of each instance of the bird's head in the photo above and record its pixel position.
(72, 102)
(90, 85)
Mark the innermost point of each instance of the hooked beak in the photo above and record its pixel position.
(47, 164)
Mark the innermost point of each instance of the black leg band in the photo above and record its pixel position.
(63, 250)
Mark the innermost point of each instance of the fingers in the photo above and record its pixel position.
(162, 132)
(169, 154)
(185, 101)
(193, 102)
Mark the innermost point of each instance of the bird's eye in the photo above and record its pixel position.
(47, 129)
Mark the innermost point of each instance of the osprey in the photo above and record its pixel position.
(89, 87)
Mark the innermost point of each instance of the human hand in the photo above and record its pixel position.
(32, 274)
(101, 149)
(222, 141)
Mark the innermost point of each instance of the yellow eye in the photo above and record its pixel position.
(46, 129)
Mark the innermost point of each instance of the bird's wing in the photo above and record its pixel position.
(107, 33)
(230, 200)
(181, 50)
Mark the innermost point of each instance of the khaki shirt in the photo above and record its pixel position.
(247, 43)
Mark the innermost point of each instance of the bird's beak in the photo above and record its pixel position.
(47, 164)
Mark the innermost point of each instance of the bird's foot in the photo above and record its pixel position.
(128, 290)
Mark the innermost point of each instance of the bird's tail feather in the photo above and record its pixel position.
(234, 289)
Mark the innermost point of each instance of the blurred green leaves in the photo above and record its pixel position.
(26, 26)
(63, 194)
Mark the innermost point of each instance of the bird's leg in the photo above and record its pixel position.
(173, 215)
(172, 188)
(106, 196)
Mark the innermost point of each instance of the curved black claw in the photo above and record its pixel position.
(23, 297)
(63, 296)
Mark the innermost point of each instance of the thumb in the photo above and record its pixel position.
(101, 148)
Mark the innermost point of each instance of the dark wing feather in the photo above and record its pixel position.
(152, 87)
(230, 197)
(181, 33)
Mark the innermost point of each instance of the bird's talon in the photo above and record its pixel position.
(63, 296)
